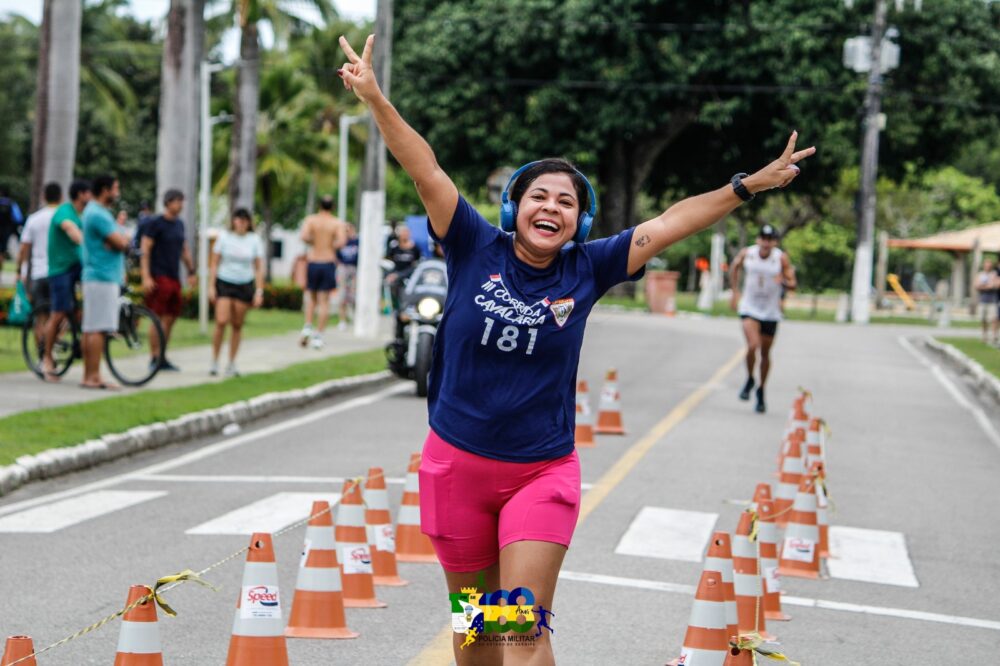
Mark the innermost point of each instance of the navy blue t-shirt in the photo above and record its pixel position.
(168, 244)
(503, 380)
(348, 255)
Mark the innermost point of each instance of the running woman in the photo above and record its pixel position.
(499, 476)
(769, 276)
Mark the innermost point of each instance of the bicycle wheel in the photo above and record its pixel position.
(129, 351)
(64, 350)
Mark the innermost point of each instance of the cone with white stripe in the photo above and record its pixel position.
(16, 648)
(720, 558)
(609, 412)
(584, 417)
(746, 579)
(800, 549)
(352, 550)
(139, 638)
(767, 533)
(706, 640)
(814, 443)
(793, 470)
(761, 492)
(258, 638)
(412, 545)
(318, 606)
(381, 535)
(818, 472)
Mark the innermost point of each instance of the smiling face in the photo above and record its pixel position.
(547, 215)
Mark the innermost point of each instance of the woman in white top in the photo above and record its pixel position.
(769, 275)
(236, 282)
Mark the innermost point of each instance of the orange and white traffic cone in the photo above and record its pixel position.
(139, 638)
(767, 534)
(584, 417)
(793, 470)
(378, 526)
(706, 640)
(609, 412)
(318, 606)
(412, 545)
(800, 550)
(17, 648)
(814, 443)
(258, 637)
(818, 472)
(761, 492)
(720, 558)
(352, 550)
(746, 579)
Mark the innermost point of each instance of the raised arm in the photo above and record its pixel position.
(436, 190)
(693, 214)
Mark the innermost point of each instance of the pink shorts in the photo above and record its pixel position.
(471, 506)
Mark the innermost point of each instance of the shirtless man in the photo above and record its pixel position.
(324, 234)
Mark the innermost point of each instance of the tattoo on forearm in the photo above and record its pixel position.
(642, 241)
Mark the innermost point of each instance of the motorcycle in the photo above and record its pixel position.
(421, 304)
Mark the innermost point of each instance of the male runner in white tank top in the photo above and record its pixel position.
(769, 275)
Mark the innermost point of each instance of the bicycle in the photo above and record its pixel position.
(128, 351)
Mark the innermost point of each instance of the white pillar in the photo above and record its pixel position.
(369, 286)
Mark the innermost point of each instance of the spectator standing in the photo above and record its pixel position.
(163, 247)
(104, 247)
(236, 283)
(324, 234)
(404, 255)
(347, 275)
(33, 257)
(11, 218)
(65, 264)
(987, 285)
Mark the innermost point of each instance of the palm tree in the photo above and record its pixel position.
(180, 100)
(57, 102)
(243, 151)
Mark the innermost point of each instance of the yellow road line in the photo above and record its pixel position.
(439, 650)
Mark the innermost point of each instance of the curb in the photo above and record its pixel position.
(62, 460)
(982, 381)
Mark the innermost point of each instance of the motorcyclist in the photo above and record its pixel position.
(404, 255)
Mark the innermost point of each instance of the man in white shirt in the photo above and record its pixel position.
(33, 258)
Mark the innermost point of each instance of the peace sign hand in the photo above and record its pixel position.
(781, 171)
(357, 73)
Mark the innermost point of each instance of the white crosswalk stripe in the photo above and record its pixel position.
(669, 534)
(870, 556)
(266, 515)
(65, 513)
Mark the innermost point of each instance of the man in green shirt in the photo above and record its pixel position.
(65, 265)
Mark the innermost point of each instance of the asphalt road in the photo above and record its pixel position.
(906, 456)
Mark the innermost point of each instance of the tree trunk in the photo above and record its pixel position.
(57, 106)
(268, 215)
(243, 154)
(180, 107)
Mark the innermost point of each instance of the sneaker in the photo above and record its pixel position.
(305, 335)
(760, 408)
(341, 325)
(745, 393)
(213, 370)
(231, 371)
(168, 366)
(317, 341)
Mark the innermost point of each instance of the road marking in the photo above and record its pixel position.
(206, 451)
(984, 422)
(267, 515)
(58, 515)
(822, 604)
(669, 534)
(439, 650)
(248, 478)
(871, 556)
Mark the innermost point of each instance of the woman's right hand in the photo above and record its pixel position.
(357, 73)
(211, 295)
(734, 300)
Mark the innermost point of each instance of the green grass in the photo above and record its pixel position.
(978, 351)
(34, 431)
(259, 324)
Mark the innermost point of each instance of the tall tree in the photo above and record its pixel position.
(180, 103)
(57, 102)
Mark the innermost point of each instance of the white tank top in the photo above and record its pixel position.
(761, 285)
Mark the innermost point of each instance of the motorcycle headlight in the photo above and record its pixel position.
(428, 307)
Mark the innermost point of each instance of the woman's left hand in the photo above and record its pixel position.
(258, 299)
(781, 171)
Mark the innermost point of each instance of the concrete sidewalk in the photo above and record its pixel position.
(23, 391)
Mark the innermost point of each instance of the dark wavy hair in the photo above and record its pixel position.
(243, 214)
(551, 165)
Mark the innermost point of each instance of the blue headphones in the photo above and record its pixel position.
(508, 208)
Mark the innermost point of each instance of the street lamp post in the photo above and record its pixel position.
(207, 122)
(345, 125)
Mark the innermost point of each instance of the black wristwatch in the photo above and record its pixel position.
(741, 190)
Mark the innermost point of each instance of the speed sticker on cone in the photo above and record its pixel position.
(798, 549)
(260, 602)
(771, 581)
(385, 539)
(356, 559)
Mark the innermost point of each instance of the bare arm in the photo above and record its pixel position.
(72, 231)
(693, 214)
(734, 277)
(188, 259)
(340, 235)
(307, 234)
(437, 191)
(22, 258)
(116, 240)
(146, 246)
(788, 274)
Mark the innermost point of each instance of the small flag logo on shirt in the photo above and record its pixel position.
(495, 277)
(561, 310)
